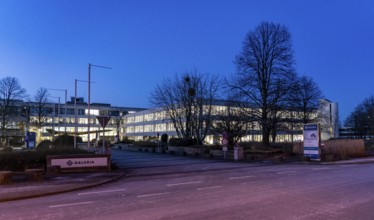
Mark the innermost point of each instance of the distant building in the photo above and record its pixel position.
(148, 124)
(328, 117)
(143, 124)
(58, 121)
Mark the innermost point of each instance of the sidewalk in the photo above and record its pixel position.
(359, 160)
(22, 189)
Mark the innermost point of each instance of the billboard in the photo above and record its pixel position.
(312, 137)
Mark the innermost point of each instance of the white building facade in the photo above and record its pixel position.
(151, 123)
(329, 119)
(58, 121)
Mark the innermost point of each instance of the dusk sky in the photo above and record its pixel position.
(49, 44)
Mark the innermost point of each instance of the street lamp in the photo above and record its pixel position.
(66, 94)
(75, 110)
(89, 99)
(58, 117)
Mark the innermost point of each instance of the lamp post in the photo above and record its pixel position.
(58, 117)
(89, 99)
(66, 94)
(75, 110)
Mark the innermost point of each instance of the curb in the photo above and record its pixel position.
(68, 189)
(348, 162)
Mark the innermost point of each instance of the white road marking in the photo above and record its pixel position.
(185, 183)
(286, 172)
(154, 194)
(71, 204)
(210, 187)
(321, 168)
(240, 177)
(98, 192)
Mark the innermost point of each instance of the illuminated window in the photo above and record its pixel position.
(139, 129)
(148, 128)
(92, 111)
(148, 117)
(139, 118)
(130, 120)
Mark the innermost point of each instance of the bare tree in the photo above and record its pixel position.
(306, 98)
(265, 73)
(362, 118)
(188, 100)
(299, 108)
(232, 117)
(357, 120)
(118, 123)
(10, 92)
(40, 111)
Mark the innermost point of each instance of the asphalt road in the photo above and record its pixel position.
(161, 186)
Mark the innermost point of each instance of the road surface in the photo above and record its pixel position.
(159, 186)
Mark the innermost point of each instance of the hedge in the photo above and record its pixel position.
(20, 160)
(183, 142)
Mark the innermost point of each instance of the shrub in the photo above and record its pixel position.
(44, 145)
(145, 144)
(65, 140)
(16, 142)
(126, 140)
(100, 143)
(19, 160)
(182, 142)
(164, 138)
(369, 145)
(7, 149)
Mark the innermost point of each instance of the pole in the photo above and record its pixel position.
(75, 114)
(66, 97)
(53, 122)
(103, 137)
(89, 98)
(58, 115)
(88, 105)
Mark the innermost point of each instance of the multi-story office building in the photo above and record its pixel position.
(141, 123)
(56, 118)
(148, 124)
(329, 119)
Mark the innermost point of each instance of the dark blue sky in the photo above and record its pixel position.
(50, 43)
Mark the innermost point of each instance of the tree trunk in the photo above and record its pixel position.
(274, 135)
(265, 136)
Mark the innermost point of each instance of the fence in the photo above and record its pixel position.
(341, 148)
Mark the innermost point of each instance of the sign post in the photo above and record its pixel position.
(312, 141)
(30, 140)
(225, 142)
(103, 120)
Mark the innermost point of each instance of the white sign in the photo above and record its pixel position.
(312, 141)
(80, 162)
